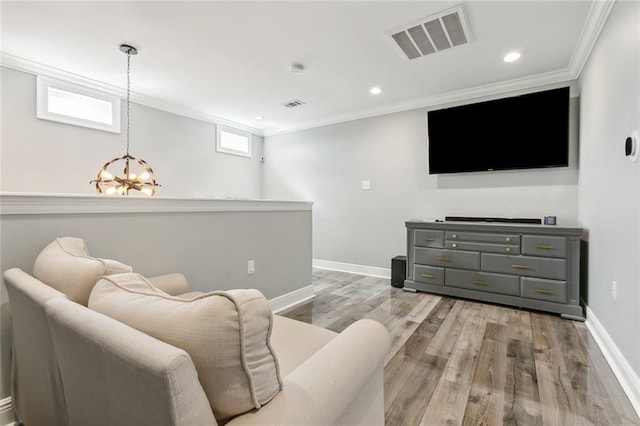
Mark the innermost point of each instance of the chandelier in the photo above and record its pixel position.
(137, 174)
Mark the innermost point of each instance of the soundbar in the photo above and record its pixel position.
(493, 219)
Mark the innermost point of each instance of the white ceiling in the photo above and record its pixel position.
(230, 60)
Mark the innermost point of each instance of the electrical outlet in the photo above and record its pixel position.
(251, 267)
(614, 290)
(366, 185)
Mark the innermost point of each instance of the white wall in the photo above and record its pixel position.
(609, 185)
(327, 165)
(49, 157)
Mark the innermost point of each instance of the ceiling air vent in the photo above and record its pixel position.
(433, 33)
(292, 104)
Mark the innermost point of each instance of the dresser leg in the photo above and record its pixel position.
(411, 290)
(573, 317)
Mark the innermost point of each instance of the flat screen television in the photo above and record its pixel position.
(520, 132)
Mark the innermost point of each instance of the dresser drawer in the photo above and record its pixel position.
(540, 245)
(551, 291)
(493, 283)
(428, 274)
(513, 239)
(447, 258)
(428, 238)
(489, 248)
(526, 266)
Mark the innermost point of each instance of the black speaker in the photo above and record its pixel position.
(398, 271)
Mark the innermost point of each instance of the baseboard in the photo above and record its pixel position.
(628, 378)
(373, 271)
(7, 416)
(291, 299)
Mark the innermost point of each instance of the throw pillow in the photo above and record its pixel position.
(65, 265)
(226, 333)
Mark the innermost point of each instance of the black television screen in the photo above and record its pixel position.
(521, 132)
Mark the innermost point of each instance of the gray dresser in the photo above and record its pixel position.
(529, 266)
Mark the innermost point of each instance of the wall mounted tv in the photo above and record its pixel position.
(521, 132)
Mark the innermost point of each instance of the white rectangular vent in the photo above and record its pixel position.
(292, 104)
(432, 34)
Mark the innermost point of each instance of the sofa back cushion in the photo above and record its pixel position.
(226, 333)
(65, 265)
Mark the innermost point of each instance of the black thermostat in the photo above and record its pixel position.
(631, 146)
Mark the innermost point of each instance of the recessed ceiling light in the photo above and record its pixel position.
(512, 56)
(375, 91)
(296, 68)
(259, 117)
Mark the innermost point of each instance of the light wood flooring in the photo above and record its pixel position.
(458, 362)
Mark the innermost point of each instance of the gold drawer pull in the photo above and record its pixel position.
(454, 236)
(426, 276)
(444, 259)
(520, 266)
(429, 239)
(507, 239)
(507, 249)
(538, 290)
(479, 282)
(454, 245)
(544, 246)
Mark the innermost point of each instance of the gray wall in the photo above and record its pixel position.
(49, 157)
(351, 225)
(609, 182)
(211, 249)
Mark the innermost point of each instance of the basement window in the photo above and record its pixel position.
(77, 105)
(233, 141)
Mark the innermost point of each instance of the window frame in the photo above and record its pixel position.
(42, 104)
(220, 128)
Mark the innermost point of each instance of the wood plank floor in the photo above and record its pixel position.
(458, 362)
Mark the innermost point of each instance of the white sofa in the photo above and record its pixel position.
(75, 366)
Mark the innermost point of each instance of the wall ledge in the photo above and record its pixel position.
(13, 203)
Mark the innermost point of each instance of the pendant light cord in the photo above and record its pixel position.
(128, 96)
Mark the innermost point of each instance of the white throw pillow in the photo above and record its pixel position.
(65, 265)
(226, 333)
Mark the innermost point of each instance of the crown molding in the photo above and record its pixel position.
(33, 203)
(20, 64)
(596, 18)
(548, 80)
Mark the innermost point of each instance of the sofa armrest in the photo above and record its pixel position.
(173, 284)
(323, 389)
